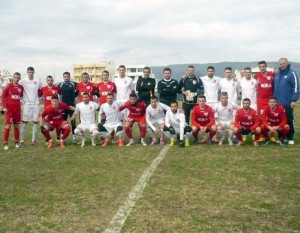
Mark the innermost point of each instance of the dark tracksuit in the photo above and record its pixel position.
(145, 88)
(167, 90)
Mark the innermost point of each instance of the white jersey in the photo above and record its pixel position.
(225, 113)
(211, 88)
(87, 112)
(112, 113)
(177, 120)
(31, 88)
(232, 87)
(249, 89)
(153, 114)
(124, 87)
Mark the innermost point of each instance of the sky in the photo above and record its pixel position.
(52, 35)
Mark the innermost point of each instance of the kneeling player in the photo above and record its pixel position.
(203, 119)
(137, 110)
(55, 121)
(274, 120)
(247, 121)
(87, 113)
(155, 114)
(111, 110)
(175, 124)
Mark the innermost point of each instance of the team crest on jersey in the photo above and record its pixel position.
(114, 108)
(269, 78)
(53, 92)
(229, 110)
(249, 117)
(88, 87)
(108, 86)
(194, 82)
(34, 83)
(215, 81)
(91, 107)
(233, 84)
(19, 89)
(276, 114)
(206, 114)
(285, 76)
(138, 110)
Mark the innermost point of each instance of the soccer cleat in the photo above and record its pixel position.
(83, 142)
(273, 139)
(181, 143)
(62, 144)
(221, 142)
(187, 142)
(6, 147)
(255, 143)
(50, 143)
(215, 139)
(291, 142)
(46, 143)
(153, 141)
(105, 143)
(280, 143)
(143, 142)
(244, 137)
(121, 143)
(230, 142)
(240, 143)
(74, 139)
(261, 138)
(93, 141)
(172, 142)
(203, 140)
(196, 142)
(17, 145)
(22, 144)
(34, 143)
(131, 142)
(161, 141)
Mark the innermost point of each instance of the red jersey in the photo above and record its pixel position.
(52, 114)
(265, 87)
(135, 110)
(274, 117)
(248, 120)
(47, 92)
(104, 88)
(11, 96)
(202, 117)
(88, 87)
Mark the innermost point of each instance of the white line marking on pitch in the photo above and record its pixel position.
(119, 219)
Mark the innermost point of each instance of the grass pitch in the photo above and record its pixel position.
(203, 188)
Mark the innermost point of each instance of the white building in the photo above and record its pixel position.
(5, 78)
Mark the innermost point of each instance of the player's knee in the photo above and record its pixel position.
(172, 130)
(187, 129)
(101, 128)
(77, 131)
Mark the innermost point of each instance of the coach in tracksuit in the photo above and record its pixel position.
(167, 88)
(287, 90)
(190, 86)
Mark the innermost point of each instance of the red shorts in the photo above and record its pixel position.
(56, 124)
(13, 116)
(139, 119)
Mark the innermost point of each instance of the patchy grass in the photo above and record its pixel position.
(203, 188)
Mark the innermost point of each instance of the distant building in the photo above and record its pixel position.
(94, 70)
(5, 78)
(240, 73)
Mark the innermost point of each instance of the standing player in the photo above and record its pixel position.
(265, 89)
(224, 113)
(49, 90)
(85, 86)
(175, 124)
(55, 114)
(230, 85)
(249, 88)
(137, 110)
(31, 108)
(124, 84)
(155, 113)
(274, 120)
(211, 85)
(105, 87)
(203, 120)
(167, 88)
(190, 86)
(86, 110)
(247, 121)
(111, 109)
(145, 86)
(11, 105)
(68, 95)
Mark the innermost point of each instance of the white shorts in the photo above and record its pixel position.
(87, 127)
(225, 124)
(159, 121)
(111, 127)
(31, 112)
